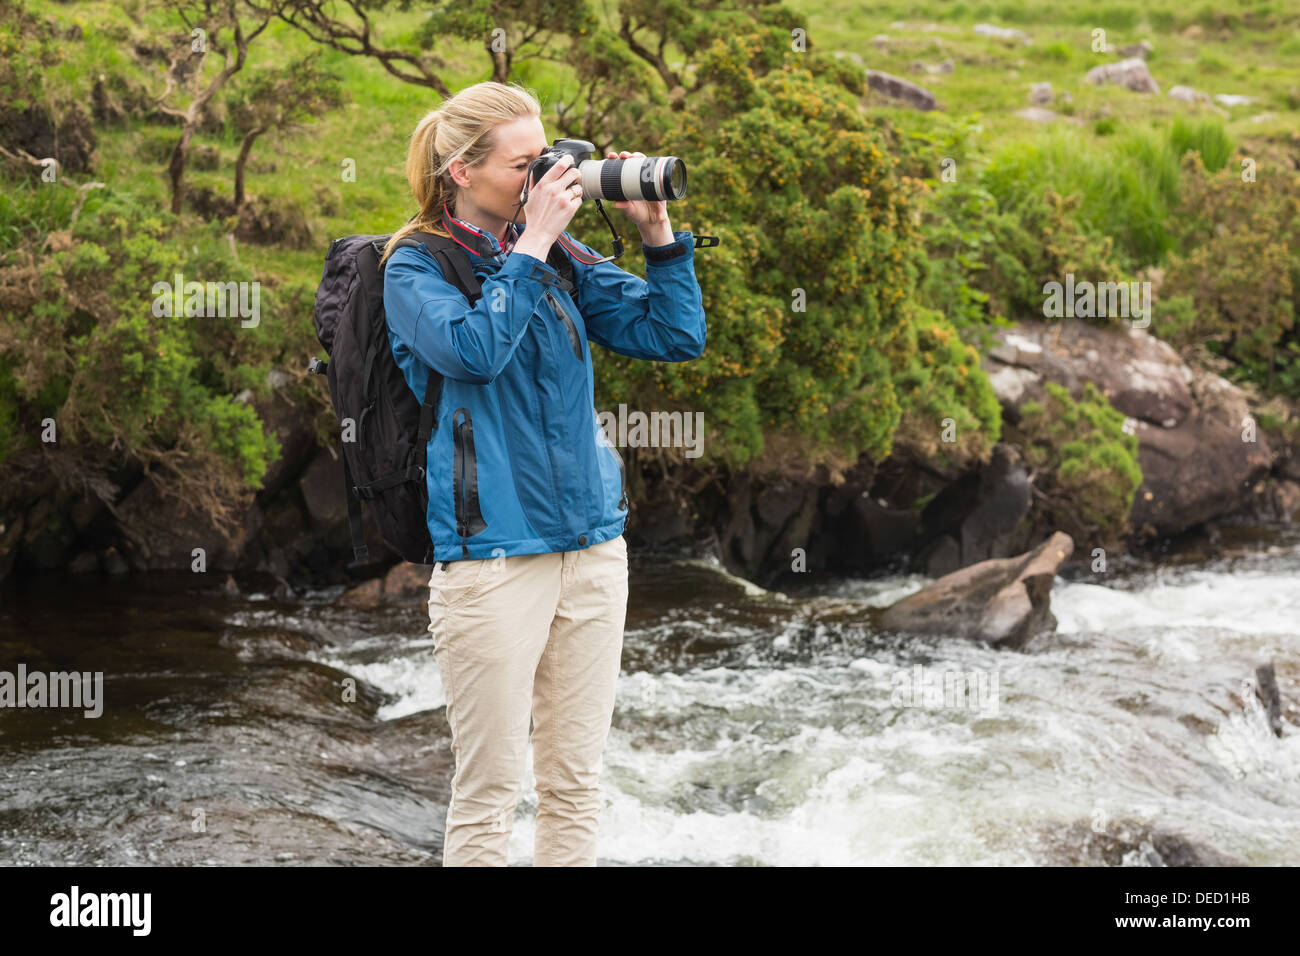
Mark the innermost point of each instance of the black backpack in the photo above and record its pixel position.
(384, 462)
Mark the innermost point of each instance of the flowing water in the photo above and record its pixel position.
(751, 727)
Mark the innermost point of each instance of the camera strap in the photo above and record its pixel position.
(577, 254)
(586, 259)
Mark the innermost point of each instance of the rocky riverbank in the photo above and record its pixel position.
(1202, 453)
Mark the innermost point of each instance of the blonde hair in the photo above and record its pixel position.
(461, 129)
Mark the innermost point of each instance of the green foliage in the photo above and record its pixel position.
(29, 212)
(1234, 280)
(1085, 466)
(1056, 51)
(951, 415)
(964, 236)
(986, 266)
(474, 20)
(1207, 61)
(818, 217)
(1124, 190)
(1204, 136)
(993, 241)
(809, 188)
(1112, 16)
(79, 333)
(924, 146)
(284, 96)
(28, 47)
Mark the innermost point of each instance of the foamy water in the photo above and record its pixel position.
(786, 744)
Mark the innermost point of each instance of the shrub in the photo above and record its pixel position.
(1084, 466)
(821, 209)
(985, 266)
(951, 415)
(1124, 186)
(1234, 280)
(79, 334)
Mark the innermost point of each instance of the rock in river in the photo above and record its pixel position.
(1002, 601)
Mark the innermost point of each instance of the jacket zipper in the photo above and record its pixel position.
(569, 326)
(459, 478)
(469, 519)
(622, 477)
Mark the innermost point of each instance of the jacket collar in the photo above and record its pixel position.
(475, 240)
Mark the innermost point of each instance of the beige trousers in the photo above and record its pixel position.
(537, 635)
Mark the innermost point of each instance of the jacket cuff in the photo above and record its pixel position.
(682, 245)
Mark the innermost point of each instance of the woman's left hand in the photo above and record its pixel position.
(646, 215)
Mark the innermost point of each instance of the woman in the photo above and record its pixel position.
(526, 495)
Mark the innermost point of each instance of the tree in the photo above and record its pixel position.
(280, 99)
(648, 26)
(204, 21)
(357, 36)
(511, 31)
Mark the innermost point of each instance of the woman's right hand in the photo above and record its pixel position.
(552, 202)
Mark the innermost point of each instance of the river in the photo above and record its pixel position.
(751, 727)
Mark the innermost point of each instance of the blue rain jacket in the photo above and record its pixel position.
(518, 462)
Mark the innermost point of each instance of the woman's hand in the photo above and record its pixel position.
(651, 218)
(552, 201)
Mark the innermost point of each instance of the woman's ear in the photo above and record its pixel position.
(458, 175)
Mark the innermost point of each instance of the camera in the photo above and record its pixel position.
(651, 178)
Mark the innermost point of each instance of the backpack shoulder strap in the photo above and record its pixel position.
(457, 269)
(455, 264)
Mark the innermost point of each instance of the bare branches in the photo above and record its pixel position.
(310, 17)
(84, 190)
(589, 122)
(170, 76)
(627, 31)
(22, 157)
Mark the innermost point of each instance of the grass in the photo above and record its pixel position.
(1117, 150)
(1126, 190)
(1118, 156)
(1242, 47)
(25, 209)
(1205, 137)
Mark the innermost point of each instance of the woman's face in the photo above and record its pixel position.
(494, 185)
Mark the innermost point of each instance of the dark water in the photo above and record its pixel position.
(751, 727)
